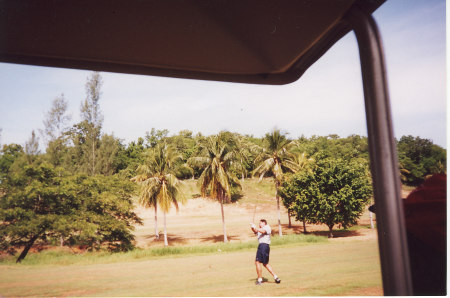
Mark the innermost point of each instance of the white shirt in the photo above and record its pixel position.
(265, 238)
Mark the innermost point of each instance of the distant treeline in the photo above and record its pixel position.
(83, 147)
(77, 152)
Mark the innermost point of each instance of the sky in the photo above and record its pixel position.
(327, 99)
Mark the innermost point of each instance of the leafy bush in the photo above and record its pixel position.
(41, 203)
(335, 192)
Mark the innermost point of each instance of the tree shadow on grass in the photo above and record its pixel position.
(337, 233)
(297, 229)
(218, 238)
(171, 238)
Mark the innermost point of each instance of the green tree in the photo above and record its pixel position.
(184, 143)
(334, 193)
(159, 186)
(304, 163)
(42, 203)
(107, 217)
(247, 152)
(130, 157)
(419, 158)
(217, 155)
(107, 151)
(8, 155)
(155, 136)
(348, 148)
(300, 207)
(276, 159)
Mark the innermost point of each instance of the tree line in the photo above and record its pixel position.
(79, 190)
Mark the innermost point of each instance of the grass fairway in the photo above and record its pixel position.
(333, 268)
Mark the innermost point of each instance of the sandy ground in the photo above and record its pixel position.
(199, 221)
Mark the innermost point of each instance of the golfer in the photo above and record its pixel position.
(262, 255)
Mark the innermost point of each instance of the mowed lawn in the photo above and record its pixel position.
(349, 268)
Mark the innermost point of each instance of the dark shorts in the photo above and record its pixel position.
(262, 255)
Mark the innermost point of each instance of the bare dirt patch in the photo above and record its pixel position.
(200, 222)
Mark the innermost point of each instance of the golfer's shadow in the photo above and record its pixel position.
(263, 280)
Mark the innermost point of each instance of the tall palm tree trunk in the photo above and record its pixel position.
(165, 231)
(156, 221)
(225, 239)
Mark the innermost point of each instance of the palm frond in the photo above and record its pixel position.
(158, 184)
(290, 165)
(204, 180)
(235, 181)
(264, 167)
(164, 197)
(144, 170)
(276, 140)
(303, 162)
(149, 192)
(277, 171)
(224, 181)
(230, 156)
(174, 184)
(262, 157)
(139, 178)
(219, 153)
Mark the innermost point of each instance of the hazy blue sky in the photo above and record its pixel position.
(328, 99)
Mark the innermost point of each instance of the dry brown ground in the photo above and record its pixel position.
(200, 222)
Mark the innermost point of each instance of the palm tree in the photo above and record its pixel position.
(218, 155)
(159, 186)
(246, 151)
(276, 159)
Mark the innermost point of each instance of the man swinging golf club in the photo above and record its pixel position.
(262, 255)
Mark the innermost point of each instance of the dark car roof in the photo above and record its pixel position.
(263, 41)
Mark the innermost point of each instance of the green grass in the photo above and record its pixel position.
(189, 189)
(355, 228)
(325, 268)
(258, 192)
(252, 190)
(58, 257)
